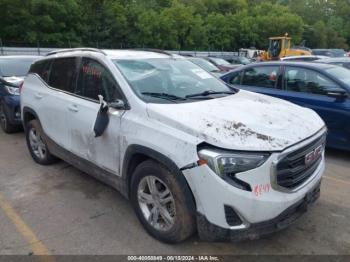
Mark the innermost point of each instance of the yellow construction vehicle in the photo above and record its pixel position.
(281, 47)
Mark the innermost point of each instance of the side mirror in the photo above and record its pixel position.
(102, 118)
(337, 94)
(118, 104)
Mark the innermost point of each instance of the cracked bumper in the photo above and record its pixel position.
(210, 232)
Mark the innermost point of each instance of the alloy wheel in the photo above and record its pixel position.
(37, 144)
(156, 203)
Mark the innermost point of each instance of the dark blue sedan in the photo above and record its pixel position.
(13, 69)
(324, 88)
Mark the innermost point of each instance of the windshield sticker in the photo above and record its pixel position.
(201, 73)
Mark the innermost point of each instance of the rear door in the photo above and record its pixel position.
(52, 101)
(309, 88)
(260, 79)
(95, 79)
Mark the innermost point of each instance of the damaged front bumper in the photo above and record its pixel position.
(210, 232)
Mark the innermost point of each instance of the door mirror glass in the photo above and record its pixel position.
(337, 94)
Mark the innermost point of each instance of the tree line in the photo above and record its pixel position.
(175, 24)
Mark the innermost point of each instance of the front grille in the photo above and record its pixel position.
(292, 169)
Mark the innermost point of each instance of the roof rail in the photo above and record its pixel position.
(75, 49)
(155, 51)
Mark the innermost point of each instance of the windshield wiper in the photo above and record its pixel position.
(210, 92)
(164, 96)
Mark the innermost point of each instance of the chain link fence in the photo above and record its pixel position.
(21, 48)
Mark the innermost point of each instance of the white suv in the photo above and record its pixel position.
(190, 152)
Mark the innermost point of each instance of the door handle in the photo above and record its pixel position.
(73, 108)
(38, 96)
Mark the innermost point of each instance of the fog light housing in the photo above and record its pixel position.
(232, 217)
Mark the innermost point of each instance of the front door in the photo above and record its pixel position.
(93, 80)
(309, 88)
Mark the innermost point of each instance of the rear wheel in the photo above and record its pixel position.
(5, 124)
(160, 203)
(37, 145)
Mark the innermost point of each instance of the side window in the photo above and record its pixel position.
(235, 78)
(308, 81)
(41, 68)
(262, 76)
(63, 73)
(94, 79)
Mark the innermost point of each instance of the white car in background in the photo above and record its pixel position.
(190, 152)
(300, 58)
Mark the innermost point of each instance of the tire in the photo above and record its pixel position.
(5, 124)
(181, 223)
(37, 145)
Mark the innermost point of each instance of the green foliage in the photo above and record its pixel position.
(180, 28)
(175, 24)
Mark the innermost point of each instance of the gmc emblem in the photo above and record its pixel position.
(313, 155)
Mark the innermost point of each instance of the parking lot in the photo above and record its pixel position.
(60, 210)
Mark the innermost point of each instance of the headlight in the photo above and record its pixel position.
(12, 90)
(226, 164)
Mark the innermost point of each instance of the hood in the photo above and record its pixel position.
(15, 80)
(228, 67)
(243, 121)
(231, 66)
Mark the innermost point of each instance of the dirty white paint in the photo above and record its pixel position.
(244, 121)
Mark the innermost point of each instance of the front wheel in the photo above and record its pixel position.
(160, 203)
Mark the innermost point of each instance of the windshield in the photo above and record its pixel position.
(206, 65)
(175, 77)
(15, 67)
(340, 73)
(330, 52)
(338, 52)
(220, 61)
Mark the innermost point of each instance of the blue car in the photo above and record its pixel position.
(324, 88)
(13, 69)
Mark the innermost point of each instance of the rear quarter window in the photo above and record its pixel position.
(234, 78)
(42, 69)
